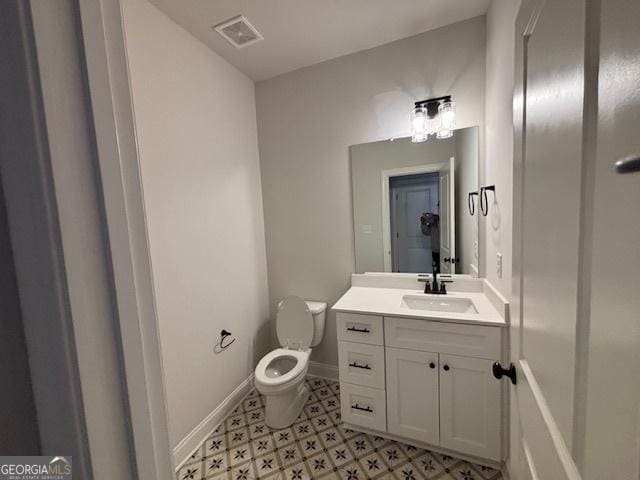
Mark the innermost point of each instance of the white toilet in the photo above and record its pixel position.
(280, 374)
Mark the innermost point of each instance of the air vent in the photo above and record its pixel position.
(238, 32)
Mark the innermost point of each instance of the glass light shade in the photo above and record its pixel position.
(443, 133)
(447, 114)
(433, 125)
(419, 121)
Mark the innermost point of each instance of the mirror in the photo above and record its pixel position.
(411, 204)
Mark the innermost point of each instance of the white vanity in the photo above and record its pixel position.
(418, 367)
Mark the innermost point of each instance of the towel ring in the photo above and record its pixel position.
(484, 203)
(471, 204)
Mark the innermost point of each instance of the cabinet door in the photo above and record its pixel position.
(412, 394)
(470, 406)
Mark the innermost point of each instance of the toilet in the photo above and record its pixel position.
(280, 374)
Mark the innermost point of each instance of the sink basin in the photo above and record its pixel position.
(439, 304)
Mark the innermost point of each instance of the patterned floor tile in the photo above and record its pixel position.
(428, 466)
(190, 471)
(407, 471)
(316, 447)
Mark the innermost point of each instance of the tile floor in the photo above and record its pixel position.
(316, 446)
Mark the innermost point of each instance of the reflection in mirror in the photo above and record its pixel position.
(410, 204)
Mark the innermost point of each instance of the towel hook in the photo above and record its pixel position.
(471, 203)
(224, 335)
(484, 203)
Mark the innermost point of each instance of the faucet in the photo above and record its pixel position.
(434, 284)
(435, 287)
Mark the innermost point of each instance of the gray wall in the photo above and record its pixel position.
(18, 421)
(307, 120)
(197, 140)
(367, 163)
(499, 82)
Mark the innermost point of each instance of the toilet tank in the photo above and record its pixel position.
(319, 312)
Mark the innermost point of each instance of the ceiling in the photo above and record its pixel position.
(298, 33)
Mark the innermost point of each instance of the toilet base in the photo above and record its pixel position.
(282, 409)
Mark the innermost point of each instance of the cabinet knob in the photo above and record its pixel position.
(432, 365)
(499, 371)
(446, 368)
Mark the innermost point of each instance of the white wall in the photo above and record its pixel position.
(498, 171)
(197, 139)
(307, 121)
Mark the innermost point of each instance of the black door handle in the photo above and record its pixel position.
(499, 371)
(628, 164)
(446, 368)
(432, 365)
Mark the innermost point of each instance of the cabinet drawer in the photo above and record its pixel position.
(458, 339)
(363, 406)
(361, 364)
(354, 327)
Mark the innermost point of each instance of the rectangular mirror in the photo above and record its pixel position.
(411, 204)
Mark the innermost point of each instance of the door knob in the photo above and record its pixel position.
(499, 371)
(432, 365)
(446, 368)
(628, 164)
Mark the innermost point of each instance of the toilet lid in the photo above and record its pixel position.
(294, 323)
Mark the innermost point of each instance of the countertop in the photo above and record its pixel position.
(388, 302)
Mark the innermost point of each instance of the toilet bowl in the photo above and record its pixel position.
(280, 374)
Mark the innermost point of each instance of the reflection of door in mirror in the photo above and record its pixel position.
(447, 258)
(411, 196)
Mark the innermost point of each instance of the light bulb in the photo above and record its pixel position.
(419, 124)
(447, 114)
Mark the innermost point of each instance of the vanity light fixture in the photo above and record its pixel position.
(435, 116)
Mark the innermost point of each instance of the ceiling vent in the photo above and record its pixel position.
(238, 32)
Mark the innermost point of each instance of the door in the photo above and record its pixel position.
(447, 218)
(470, 406)
(549, 123)
(411, 196)
(412, 394)
(612, 393)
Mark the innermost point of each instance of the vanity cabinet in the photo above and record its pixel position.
(413, 402)
(470, 404)
(422, 380)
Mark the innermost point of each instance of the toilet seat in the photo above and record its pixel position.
(302, 360)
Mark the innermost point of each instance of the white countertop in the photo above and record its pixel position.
(388, 302)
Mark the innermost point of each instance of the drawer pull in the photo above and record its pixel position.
(364, 409)
(355, 364)
(359, 330)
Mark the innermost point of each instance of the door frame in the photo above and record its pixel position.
(104, 42)
(89, 294)
(385, 176)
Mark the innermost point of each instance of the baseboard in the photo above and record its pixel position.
(323, 370)
(185, 448)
